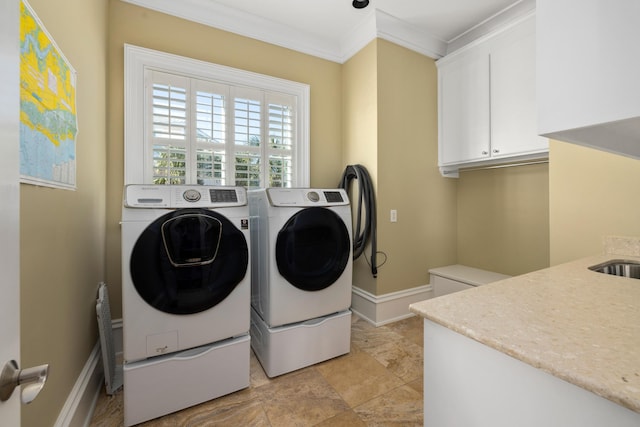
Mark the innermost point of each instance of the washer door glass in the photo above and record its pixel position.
(313, 249)
(188, 260)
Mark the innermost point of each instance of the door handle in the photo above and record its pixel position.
(32, 379)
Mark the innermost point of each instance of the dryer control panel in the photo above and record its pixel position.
(183, 196)
(306, 197)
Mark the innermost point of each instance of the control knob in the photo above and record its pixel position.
(191, 195)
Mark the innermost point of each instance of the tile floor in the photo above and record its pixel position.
(379, 383)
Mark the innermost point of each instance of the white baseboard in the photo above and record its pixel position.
(78, 408)
(387, 308)
(81, 402)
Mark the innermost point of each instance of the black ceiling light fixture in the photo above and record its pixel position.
(360, 4)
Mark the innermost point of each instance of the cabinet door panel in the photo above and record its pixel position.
(588, 73)
(464, 109)
(513, 95)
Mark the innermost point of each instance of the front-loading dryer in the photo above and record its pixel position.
(301, 276)
(185, 296)
(301, 253)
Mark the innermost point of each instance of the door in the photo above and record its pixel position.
(189, 260)
(514, 125)
(313, 249)
(10, 196)
(464, 115)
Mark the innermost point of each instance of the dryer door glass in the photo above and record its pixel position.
(188, 260)
(313, 249)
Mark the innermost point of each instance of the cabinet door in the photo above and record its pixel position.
(513, 94)
(464, 129)
(588, 73)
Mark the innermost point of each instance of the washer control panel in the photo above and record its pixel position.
(183, 196)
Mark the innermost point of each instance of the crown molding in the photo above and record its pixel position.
(375, 24)
(399, 32)
(360, 36)
(505, 17)
(245, 24)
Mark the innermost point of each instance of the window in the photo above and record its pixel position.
(190, 122)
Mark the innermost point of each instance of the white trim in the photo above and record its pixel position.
(382, 25)
(516, 12)
(387, 308)
(374, 24)
(246, 24)
(399, 32)
(493, 33)
(81, 402)
(138, 59)
(359, 36)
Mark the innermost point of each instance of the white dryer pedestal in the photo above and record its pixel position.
(294, 346)
(165, 384)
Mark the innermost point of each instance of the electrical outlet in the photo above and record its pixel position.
(394, 215)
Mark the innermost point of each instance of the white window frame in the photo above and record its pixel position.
(137, 60)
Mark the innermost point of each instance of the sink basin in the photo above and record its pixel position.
(619, 267)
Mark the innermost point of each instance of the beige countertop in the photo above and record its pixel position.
(574, 323)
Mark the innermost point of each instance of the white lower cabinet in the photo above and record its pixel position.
(487, 109)
(470, 384)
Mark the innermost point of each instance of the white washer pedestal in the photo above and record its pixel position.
(454, 278)
(165, 384)
(290, 347)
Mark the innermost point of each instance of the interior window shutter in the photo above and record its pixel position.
(248, 140)
(211, 133)
(281, 135)
(168, 130)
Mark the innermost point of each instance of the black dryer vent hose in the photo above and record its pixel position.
(362, 233)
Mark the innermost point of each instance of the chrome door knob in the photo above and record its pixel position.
(32, 380)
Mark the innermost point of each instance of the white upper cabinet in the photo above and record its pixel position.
(589, 73)
(487, 101)
(464, 107)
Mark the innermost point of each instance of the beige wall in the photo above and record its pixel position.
(503, 219)
(62, 233)
(408, 176)
(390, 114)
(592, 194)
(142, 27)
(360, 135)
(360, 109)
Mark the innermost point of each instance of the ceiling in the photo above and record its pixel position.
(335, 30)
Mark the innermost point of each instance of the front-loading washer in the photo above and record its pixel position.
(301, 282)
(185, 296)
